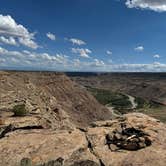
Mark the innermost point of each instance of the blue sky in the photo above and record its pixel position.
(83, 35)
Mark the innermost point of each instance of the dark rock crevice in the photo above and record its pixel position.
(10, 128)
(90, 147)
(28, 162)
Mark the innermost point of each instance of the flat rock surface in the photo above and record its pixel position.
(89, 147)
(154, 155)
(42, 146)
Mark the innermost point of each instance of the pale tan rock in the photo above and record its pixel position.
(25, 121)
(42, 146)
(76, 147)
(154, 155)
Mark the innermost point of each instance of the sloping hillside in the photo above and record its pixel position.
(50, 94)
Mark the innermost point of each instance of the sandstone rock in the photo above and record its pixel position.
(85, 163)
(42, 146)
(21, 122)
(153, 155)
(87, 147)
(113, 147)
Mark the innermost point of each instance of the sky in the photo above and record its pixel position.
(83, 35)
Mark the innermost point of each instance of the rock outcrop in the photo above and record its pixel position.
(86, 148)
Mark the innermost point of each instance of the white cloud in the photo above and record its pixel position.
(4, 52)
(31, 59)
(76, 41)
(109, 52)
(92, 65)
(10, 40)
(76, 63)
(139, 48)
(51, 36)
(156, 56)
(34, 60)
(9, 28)
(83, 52)
(152, 67)
(155, 5)
(28, 42)
(98, 62)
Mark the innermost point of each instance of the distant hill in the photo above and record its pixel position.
(150, 86)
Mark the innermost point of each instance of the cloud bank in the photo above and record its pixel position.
(155, 5)
(44, 61)
(13, 33)
(83, 52)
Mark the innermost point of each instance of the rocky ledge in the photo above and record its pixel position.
(133, 140)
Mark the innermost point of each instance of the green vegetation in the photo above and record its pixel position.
(156, 112)
(117, 100)
(19, 110)
(122, 104)
(26, 162)
(150, 108)
(142, 103)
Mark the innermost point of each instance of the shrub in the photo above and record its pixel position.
(19, 110)
(26, 162)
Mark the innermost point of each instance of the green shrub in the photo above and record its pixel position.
(19, 110)
(26, 162)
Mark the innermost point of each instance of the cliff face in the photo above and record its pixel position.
(52, 96)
